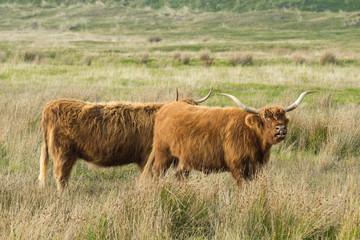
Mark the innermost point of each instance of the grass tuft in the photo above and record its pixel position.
(87, 60)
(235, 59)
(189, 216)
(298, 59)
(32, 56)
(185, 58)
(205, 55)
(3, 57)
(155, 39)
(142, 57)
(176, 56)
(328, 58)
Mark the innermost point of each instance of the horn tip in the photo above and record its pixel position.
(312, 91)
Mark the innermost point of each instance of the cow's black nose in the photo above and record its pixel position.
(280, 130)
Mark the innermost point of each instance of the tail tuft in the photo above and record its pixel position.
(44, 163)
(146, 174)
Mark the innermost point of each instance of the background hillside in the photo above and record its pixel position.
(214, 6)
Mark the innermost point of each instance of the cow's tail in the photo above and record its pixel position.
(44, 157)
(146, 174)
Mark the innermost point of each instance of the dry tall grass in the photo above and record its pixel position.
(309, 189)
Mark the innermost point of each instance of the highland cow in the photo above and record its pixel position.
(216, 139)
(103, 134)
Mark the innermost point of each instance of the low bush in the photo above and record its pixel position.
(176, 56)
(298, 59)
(185, 58)
(240, 59)
(142, 57)
(32, 55)
(155, 39)
(205, 55)
(328, 58)
(3, 56)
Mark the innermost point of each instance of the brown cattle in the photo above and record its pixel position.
(216, 139)
(103, 134)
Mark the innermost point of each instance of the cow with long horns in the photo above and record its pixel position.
(103, 134)
(216, 139)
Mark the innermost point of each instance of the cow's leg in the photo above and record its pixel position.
(162, 162)
(238, 177)
(182, 172)
(63, 164)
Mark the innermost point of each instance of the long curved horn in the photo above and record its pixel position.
(246, 108)
(177, 95)
(204, 98)
(297, 102)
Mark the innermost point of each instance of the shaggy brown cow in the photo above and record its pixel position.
(216, 139)
(104, 134)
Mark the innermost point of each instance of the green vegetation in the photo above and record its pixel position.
(112, 52)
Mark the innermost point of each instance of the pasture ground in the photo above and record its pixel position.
(310, 188)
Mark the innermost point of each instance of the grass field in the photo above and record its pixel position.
(98, 53)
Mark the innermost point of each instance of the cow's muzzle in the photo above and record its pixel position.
(280, 132)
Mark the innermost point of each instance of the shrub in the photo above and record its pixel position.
(328, 58)
(204, 55)
(52, 55)
(143, 57)
(88, 60)
(155, 39)
(240, 59)
(30, 56)
(176, 56)
(185, 58)
(3, 56)
(298, 59)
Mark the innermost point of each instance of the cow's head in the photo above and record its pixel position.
(192, 101)
(269, 122)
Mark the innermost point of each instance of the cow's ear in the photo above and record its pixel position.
(253, 120)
